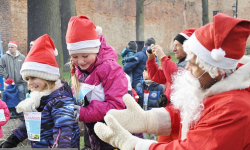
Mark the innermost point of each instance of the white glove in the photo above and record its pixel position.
(115, 134)
(134, 118)
(27, 105)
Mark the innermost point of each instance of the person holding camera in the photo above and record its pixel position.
(164, 75)
(138, 65)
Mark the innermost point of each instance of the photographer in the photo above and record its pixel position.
(164, 75)
(138, 65)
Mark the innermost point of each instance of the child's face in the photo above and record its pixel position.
(145, 75)
(36, 84)
(83, 60)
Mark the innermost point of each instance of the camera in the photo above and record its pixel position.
(149, 50)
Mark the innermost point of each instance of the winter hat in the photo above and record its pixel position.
(32, 42)
(149, 41)
(184, 35)
(132, 46)
(40, 61)
(13, 43)
(221, 43)
(82, 36)
(8, 82)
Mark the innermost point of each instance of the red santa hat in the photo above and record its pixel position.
(184, 35)
(13, 43)
(32, 42)
(8, 82)
(82, 36)
(221, 43)
(40, 61)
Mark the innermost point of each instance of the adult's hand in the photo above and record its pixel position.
(150, 56)
(134, 118)
(157, 50)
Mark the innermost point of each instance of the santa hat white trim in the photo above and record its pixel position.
(187, 37)
(84, 44)
(43, 71)
(85, 50)
(12, 44)
(199, 50)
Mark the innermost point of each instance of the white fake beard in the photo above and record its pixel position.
(187, 96)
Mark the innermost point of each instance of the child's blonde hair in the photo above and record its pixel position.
(75, 82)
(49, 84)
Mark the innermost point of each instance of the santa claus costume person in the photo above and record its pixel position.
(212, 97)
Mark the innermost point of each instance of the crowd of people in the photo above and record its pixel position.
(191, 104)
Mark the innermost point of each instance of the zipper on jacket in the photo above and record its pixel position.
(57, 138)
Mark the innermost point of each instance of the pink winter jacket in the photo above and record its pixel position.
(7, 116)
(110, 83)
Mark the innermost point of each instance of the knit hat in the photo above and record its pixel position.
(8, 82)
(149, 41)
(221, 43)
(132, 46)
(184, 35)
(82, 36)
(40, 61)
(13, 43)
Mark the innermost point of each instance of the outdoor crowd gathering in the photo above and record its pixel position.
(200, 102)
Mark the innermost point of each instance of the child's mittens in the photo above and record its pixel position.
(27, 105)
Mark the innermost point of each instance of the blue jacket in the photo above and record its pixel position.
(154, 90)
(10, 96)
(137, 66)
(57, 124)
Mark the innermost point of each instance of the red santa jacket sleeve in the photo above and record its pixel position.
(221, 126)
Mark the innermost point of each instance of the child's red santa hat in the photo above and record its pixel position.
(32, 42)
(8, 82)
(221, 43)
(82, 36)
(184, 35)
(13, 43)
(40, 61)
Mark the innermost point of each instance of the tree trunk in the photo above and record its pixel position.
(67, 9)
(140, 20)
(205, 12)
(44, 18)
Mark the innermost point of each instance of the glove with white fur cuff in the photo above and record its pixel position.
(134, 118)
(114, 134)
(27, 105)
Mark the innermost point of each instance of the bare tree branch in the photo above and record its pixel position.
(149, 3)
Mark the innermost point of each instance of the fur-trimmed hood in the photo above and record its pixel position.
(238, 80)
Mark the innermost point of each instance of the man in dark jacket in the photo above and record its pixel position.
(138, 65)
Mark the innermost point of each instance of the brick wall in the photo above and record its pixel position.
(163, 19)
(5, 23)
(19, 24)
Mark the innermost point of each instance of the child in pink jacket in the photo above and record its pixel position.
(3, 109)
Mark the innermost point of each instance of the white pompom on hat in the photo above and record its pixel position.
(40, 61)
(82, 36)
(221, 43)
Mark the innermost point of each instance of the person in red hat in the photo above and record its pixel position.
(49, 96)
(10, 96)
(95, 70)
(10, 66)
(211, 97)
(164, 75)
